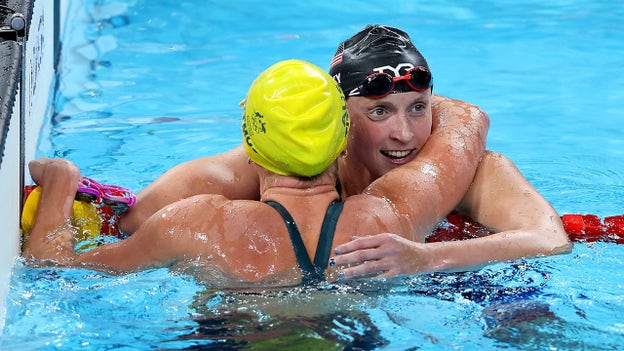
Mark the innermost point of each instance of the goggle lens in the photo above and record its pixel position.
(378, 85)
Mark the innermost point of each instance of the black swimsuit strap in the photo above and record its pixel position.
(326, 239)
(312, 273)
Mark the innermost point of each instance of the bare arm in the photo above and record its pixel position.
(53, 237)
(164, 238)
(227, 174)
(148, 247)
(460, 131)
(500, 198)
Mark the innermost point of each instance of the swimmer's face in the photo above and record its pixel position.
(388, 132)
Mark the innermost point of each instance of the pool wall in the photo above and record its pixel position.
(28, 59)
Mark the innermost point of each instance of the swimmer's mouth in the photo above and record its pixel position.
(397, 154)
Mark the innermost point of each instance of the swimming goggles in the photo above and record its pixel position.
(380, 84)
(117, 198)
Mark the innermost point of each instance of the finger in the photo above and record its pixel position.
(365, 268)
(358, 243)
(357, 257)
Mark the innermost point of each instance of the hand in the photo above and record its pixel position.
(52, 236)
(382, 255)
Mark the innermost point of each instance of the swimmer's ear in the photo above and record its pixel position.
(242, 103)
(344, 153)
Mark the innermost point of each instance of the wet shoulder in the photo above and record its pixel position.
(364, 214)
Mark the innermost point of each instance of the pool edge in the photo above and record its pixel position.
(31, 101)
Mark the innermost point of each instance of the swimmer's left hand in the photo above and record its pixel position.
(381, 255)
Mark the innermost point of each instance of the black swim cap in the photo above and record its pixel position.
(376, 48)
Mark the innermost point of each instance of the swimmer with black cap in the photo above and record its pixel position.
(389, 86)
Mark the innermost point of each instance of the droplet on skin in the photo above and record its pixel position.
(430, 170)
(201, 236)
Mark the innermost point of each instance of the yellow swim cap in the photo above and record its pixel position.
(85, 217)
(295, 120)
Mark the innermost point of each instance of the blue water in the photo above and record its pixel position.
(147, 84)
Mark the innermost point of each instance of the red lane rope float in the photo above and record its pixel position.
(580, 228)
(590, 228)
(458, 227)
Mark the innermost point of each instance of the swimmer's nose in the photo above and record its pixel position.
(402, 129)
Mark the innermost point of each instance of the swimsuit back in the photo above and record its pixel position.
(312, 272)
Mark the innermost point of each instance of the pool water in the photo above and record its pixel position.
(147, 84)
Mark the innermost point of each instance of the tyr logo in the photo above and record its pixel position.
(396, 71)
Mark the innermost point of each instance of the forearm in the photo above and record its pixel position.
(388, 254)
(56, 245)
(499, 247)
(119, 257)
(179, 231)
(503, 200)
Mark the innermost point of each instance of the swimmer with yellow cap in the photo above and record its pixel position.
(294, 125)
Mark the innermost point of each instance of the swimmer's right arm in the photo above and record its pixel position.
(454, 150)
(228, 174)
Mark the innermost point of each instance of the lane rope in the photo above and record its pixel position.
(580, 228)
